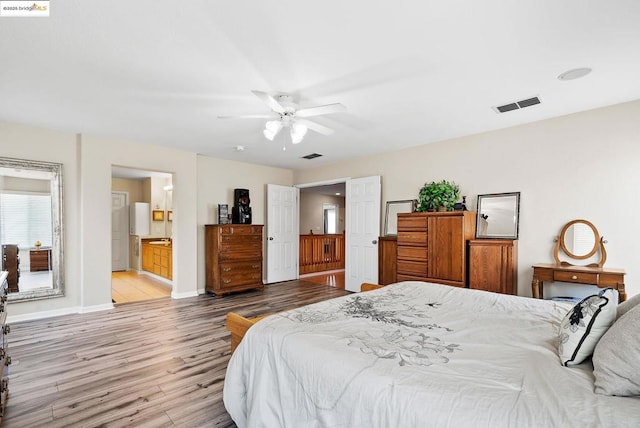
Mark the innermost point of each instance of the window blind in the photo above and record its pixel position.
(25, 218)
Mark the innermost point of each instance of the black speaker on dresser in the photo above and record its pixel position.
(241, 211)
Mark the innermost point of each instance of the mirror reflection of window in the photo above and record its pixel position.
(26, 222)
(580, 239)
(330, 218)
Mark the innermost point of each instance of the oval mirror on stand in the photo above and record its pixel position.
(580, 240)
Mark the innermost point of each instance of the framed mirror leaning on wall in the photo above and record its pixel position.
(391, 214)
(31, 228)
(498, 216)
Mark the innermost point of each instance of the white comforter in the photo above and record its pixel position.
(416, 354)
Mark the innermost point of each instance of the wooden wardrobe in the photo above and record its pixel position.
(432, 246)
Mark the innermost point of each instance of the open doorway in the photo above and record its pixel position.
(141, 229)
(322, 239)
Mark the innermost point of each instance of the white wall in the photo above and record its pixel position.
(584, 165)
(97, 156)
(217, 178)
(312, 215)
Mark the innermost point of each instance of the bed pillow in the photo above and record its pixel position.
(585, 324)
(616, 359)
(627, 305)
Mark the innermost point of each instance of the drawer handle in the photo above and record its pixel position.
(255, 266)
(6, 329)
(227, 281)
(574, 277)
(255, 276)
(226, 269)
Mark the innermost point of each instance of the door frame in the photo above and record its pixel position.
(125, 229)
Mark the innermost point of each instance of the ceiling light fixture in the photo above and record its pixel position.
(297, 133)
(272, 128)
(576, 73)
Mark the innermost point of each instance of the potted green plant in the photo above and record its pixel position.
(438, 196)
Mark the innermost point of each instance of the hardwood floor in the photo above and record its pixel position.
(334, 278)
(159, 363)
(129, 286)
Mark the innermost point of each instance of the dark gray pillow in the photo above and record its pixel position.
(628, 304)
(616, 359)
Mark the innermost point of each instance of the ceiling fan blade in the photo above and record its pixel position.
(320, 129)
(270, 101)
(325, 109)
(248, 116)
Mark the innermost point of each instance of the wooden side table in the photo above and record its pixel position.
(40, 259)
(601, 277)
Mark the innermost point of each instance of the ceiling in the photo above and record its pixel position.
(409, 72)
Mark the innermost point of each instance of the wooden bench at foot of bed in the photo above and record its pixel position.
(238, 325)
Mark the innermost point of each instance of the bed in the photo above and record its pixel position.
(416, 354)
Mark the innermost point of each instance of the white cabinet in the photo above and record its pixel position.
(139, 218)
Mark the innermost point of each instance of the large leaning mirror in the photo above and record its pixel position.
(31, 232)
(497, 216)
(580, 240)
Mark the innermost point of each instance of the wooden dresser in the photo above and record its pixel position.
(5, 359)
(432, 246)
(233, 257)
(11, 264)
(387, 259)
(40, 260)
(493, 265)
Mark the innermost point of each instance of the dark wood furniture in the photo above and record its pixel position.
(493, 265)
(5, 359)
(233, 258)
(40, 260)
(432, 246)
(387, 259)
(590, 275)
(11, 264)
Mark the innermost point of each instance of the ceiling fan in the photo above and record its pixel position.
(285, 114)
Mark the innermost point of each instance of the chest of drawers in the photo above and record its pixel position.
(5, 359)
(432, 246)
(233, 254)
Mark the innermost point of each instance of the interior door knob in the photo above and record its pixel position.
(271, 238)
(374, 242)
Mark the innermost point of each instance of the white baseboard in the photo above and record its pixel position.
(162, 279)
(95, 308)
(42, 314)
(175, 295)
(58, 312)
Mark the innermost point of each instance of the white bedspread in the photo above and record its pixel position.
(416, 354)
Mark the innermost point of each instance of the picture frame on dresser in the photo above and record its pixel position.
(391, 214)
(498, 216)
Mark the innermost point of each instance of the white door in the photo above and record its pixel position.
(282, 233)
(362, 231)
(119, 231)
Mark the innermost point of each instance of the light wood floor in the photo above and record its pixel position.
(130, 286)
(158, 363)
(333, 278)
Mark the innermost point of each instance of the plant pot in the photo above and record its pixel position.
(442, 209)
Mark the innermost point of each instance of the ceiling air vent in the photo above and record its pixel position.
(517, 105)
(312, 156)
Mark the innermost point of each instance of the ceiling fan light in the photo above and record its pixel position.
(297, 133)
(274, 126)
(269, 135)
